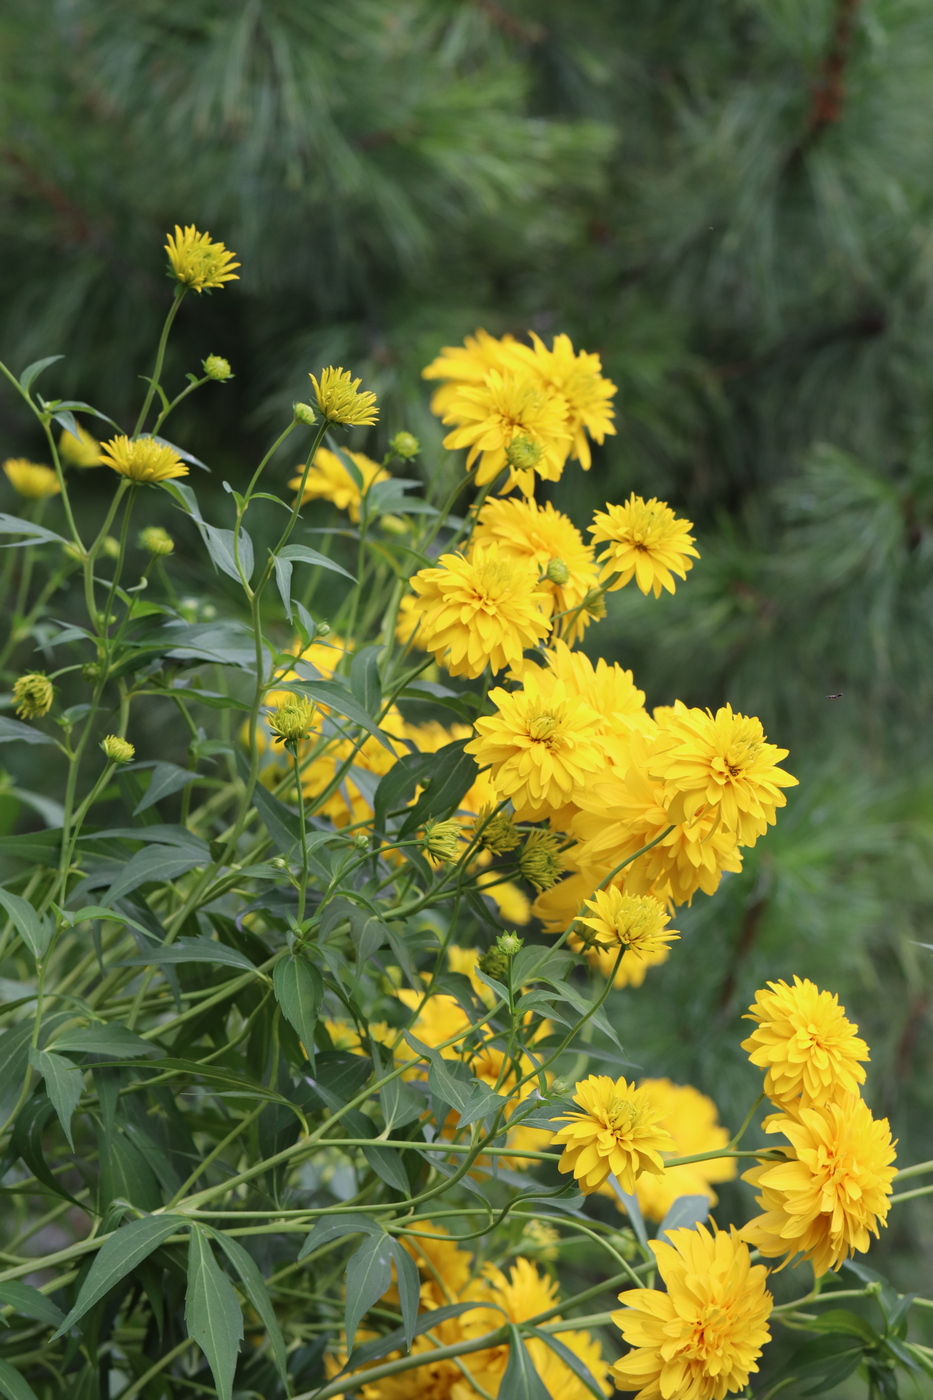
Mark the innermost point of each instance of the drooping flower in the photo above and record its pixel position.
(80, 451)
(805, 1044)
(636, 922)
(505, 406)
(541, 745)
(443, 840)
(646, 542)
(198, 261)
(540, 861)
(33, 694)
(143, 459)
(693, 1122)
(521, 529)
(341, 400)
(702, 1338)
(578, 378)
(478, 612)
(723, 766)
(832, 1193)
(618, 1132)
(31, 480)
(328, 479)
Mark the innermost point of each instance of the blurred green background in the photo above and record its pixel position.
(732, 202)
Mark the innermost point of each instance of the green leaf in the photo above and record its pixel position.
(12, 1384)
(845, 1321)
(633, 1211)
(334, 1227)
(299, 991)
(36, 534)
(29, 1302)
(166, 779)
(521, 1381)
(103, 1040)
(397, 787)
(257, 1292)
(453, 773)
(387, 1164)
(482, 1103)
(26, 1142)
(185, 950)
(392, 1341)
(118, 1256)
(448, 1080)
(153, 863)
(536, 961)
(31, 373)
(400, 1104)
(14, 1057)
(343, 702)
(686, 1211)
(365, 681)
(33, 928)
(409, 1289)
(212, 1312)
(369, 1276)
(64, 1084)
(302, 554)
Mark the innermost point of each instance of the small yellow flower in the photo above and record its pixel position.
(198, 261)
(118, 750)
(646, 542)
(636, 922)
(478, 612)
(617, 1133)
(143, 459)
(80, 451)
(443, 840)
(579, 380)
(30, 479)
(292, 720)
(216, 367)
(33, 694)
(155, 540)
(702, 1338)
(541, 862)
(805, 1044)
(339, 400)
(832, 1193)
(329, 480)
(489, 416)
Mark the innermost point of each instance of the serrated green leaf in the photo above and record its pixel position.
(212, 1312)
(184, 950)
(409, 1289)
(103, 1040)
(452, 774)
(118, 1256)
(64, 1084)
(303, 554)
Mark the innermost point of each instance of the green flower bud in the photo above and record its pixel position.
(405, 445)
(304, 413)
(155, 540)
(216, 367)
(361, 842)
(33, 694)
(509, 944)
(523, 454)
(323, 629)
(442, 840)
(110, 547)
(557, 572)
(540, 861)
(118, 750)
(595, 604)
(494, 964)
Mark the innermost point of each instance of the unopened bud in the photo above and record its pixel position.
(304, 413)
(291, 721)
(118, 750)
(74, 551)
(279, 863)
(33, 694)
(595, 604)
(523, 454)
(405, 445)
(557, 572)
(442, 840)
(91, 671)
(540, 861)
(323, 629)
(361, 842)
(509, 944)
(155, 540)
(110, 547)
(494, 964)
(216, 367)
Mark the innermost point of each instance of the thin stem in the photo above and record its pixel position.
(180, 290)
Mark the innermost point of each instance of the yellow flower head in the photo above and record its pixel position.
(468, 363)
(541, 743)
(805, 1044)
(144, 459)
(443, 840)
(578, 379)
(832, 1192)
(522, 529)
(618, 1132)
(489, 416)
(478, 612)
(292, 720)
(646, 542)
(80, 451)
(721, 765)
(637, 922)
(497, 833)
(30, 479)
(118, 750)
(33, 694)
(329, 480)
(197, 261)
(702, 1338)
(340, 401)
(693, 1121)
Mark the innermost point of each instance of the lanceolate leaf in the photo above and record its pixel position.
(332, 1227)
(33, 928)
(521, 1381)
(118, 1256)
(257, 1292)
(299, 991)
(212, 1312)
(570, 1359)
(64, 1084)
(12, 1384)
(409, 1289)
(369, 1274)
(29, 1302)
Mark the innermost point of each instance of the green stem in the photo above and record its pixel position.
(180, 290)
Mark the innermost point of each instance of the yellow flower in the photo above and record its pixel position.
(33, 694)
(637, 922)
(578, 379)
(805, 1044)
(80, 451)
(497, 834)
(30, 479)
(693, 1122)
(542, 745)
(467, 364)
(646, 542)
(478, 612)
(291, 720)
(328, 479)
(340, 401)
(618, 1132)
(832, 1192)
(144, 459)
(522, 529)
(198, 261)
(605, 687)
(702, 1338)
(118, 750)
(720, 765)
(443, 840)
(504, 407)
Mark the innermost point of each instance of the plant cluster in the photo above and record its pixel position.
(288, 1105)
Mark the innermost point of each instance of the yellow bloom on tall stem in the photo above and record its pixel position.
(637, 923)
(723, 765)
(578, 378)
(328, 479)
(646, 542)
(31, 480)
(341, 400)
(804, 1042)
(478, 612)
(618, 1132)
(198, 261)
(506, 406)
(80, 451)
(702, 1338)
(143, 459)
(542, 745)
(832, 1193)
